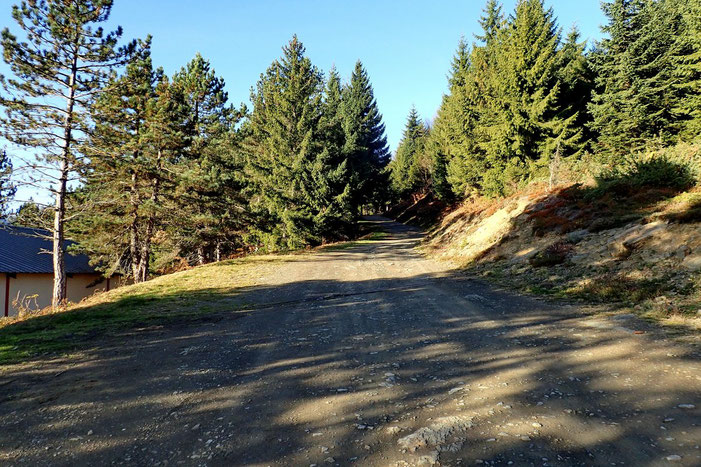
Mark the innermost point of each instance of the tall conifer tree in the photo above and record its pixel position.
(283, 145)
(686, 60)
(332, 173)
(64, 60)
(611, 103)
(452, 142)
(139, 134)
(365, 141)
(405, 173)
(519, 121)
(209, 189)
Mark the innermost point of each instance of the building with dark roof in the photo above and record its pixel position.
(26, 271)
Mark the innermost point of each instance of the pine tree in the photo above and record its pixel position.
(282, 147)
(64, 60)
(7, 189)
(365, 141)
(139, 133)
(31, 214)
(209, 189)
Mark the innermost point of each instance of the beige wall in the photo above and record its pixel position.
(35, 290)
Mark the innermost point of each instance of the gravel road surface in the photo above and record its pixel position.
(371, 355)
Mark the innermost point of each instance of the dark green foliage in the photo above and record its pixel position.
(315, 153)
(210, 208)
(686, 61)
(632, 174)
(645, 75)
(408, 171)
(138, 138)
(522, 99)
(458, 163)
(576, 79)
(520, 122)
(516, 99)
(64, 60)
(365, 142)
(287, 157)
(332, 171)
(31, 214)
(7, 190)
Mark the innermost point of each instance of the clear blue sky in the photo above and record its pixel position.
(406, 46)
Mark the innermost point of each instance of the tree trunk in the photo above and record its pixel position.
(58, 297)
(217, 252)
(150, 225)
(200, 255)
(134, 251)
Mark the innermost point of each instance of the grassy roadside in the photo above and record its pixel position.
(662, 301)
(182, 296)
(179, 297)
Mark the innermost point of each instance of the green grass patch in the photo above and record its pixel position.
(371, 237)
(619, 289)
(179, 297)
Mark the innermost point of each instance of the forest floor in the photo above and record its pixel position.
(367, 354)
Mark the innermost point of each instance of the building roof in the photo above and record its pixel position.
(24, 250)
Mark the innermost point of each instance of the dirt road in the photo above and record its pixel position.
(370, 355)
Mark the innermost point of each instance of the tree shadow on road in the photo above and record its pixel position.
(313, 370)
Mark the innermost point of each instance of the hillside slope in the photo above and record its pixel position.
(643, 253)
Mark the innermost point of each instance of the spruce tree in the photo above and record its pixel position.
(64, 59)
(519, 121)
(451, 142)
(491, 22)
(576, 86)
(331, 170)
(612, 102)
(283, 143)
(406, 169)
(686, 60)
(365, 141)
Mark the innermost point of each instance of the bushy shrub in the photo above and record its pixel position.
(658, 171)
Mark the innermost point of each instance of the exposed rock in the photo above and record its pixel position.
(577, 235)
(435, 434)
(430, 459)
(393, 430)
(692, 262)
